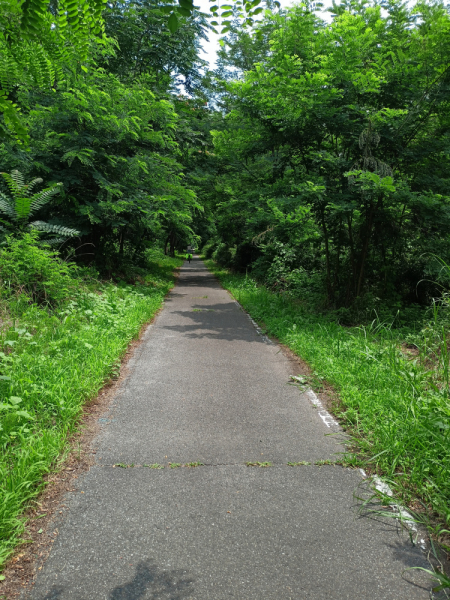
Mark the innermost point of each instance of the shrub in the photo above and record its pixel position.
(223, 255)
(209, 248)
(37, 271)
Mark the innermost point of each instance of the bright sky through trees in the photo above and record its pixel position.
(212, 45)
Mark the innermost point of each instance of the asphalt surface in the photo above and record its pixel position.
(205, 387)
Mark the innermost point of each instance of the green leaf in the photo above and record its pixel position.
(172, 23)
(186, 4)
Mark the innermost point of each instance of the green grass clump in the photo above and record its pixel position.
(55, 356)
(392, 405)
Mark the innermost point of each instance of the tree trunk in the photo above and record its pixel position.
(327, 253)
(122, 241)
(373, 209)
(173, 239)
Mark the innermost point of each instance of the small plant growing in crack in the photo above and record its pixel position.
(194, 464)
(174, 465)
(259, 464)
(154, 466)
(320, 463)
(122, 465)
(300, 463)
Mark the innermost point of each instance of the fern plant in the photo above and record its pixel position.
(22, 205)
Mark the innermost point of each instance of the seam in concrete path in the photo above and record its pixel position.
(239, 464)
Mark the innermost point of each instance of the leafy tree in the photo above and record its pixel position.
(146, 46)
(335, 147)
(39, 40)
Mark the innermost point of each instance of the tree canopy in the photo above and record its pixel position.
(315, 155)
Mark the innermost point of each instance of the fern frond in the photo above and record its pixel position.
(57, 241)
(22, 206)
(56, 229)
(6, 207)
(32, 183)
(15, 182)
(41, 198)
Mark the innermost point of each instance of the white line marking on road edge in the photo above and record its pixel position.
(323, 414)
(259, 331)
(404, 516)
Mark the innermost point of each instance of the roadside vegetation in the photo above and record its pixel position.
(63, 335)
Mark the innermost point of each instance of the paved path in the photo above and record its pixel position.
(204, 386)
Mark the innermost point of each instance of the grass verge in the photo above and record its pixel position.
(52, 362)
(390, 405)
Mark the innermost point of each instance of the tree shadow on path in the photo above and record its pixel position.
(151, 583)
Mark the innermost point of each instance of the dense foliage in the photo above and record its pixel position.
(334, 152)
(104, 127)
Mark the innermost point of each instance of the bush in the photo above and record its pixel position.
(34, 270)
(209, 248)
(223, 255)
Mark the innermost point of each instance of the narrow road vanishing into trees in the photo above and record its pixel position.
(205, 387)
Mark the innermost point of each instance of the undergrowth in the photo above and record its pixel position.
(63, 336)
(394, 406)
